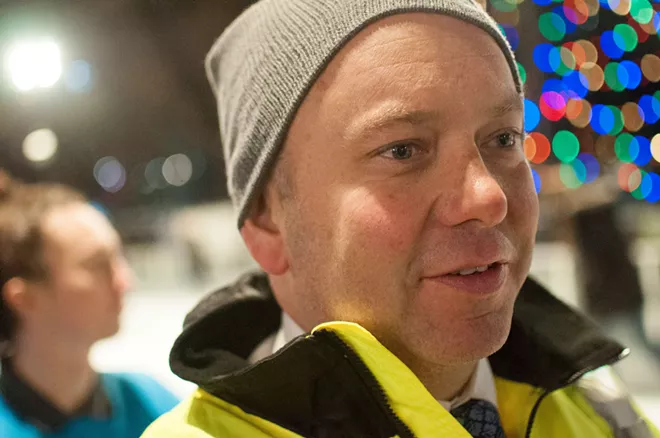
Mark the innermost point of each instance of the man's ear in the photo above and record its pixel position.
(17, 297)
(263, 236)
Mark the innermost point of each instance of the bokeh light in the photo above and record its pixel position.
(574, 82)
(537, 180)
(641, 11)
(593, 75)
(626, 148)
(633, 117)
(605, 149)
(609, 46)
(578, 112)
(570, 174)
(522, 72)
(625, 37)
(34, 64)
(544, 58)
(602, 120)
(565, 146)
(576, 11)
(177, 169)
(552, 26)
(618, 120)
(541, 146)
(78, 77)
(650, 108)
(616, 78)
(655, 147)
(633, 72)
(651, 67)
(552, 105)
(567, 62)
(40, 146)
(110, 174)
(153, 174)
(652, 179)
(532, 115)
(505, 5)
(643, 146)
(620, 7)
(628, 177)
(507, 17)
(511, 34)
(591, 165)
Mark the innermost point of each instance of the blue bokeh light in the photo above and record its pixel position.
(532, 115)
(609, 46)
(592, 167)
(649, 106)
(652, 179)
(537, 180)
(602, 119)
(541, 57)
(574, 83)
(643, 146)
(511, 34)
(633, 73)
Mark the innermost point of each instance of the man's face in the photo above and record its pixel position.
(82, 295)
(406, 165)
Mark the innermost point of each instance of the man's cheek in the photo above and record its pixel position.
(381, 224)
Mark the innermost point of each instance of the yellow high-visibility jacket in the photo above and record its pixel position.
(339, 381)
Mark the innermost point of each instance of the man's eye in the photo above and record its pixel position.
(400, 152)
(507, 139)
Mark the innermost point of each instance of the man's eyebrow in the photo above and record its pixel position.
(386, 117)
(512, 103)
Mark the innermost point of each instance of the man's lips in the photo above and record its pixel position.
(478, 263)
(487, 282)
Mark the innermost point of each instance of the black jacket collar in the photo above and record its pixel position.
(27, 403)
(313, 388)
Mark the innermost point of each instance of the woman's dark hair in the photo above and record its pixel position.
(22, 210)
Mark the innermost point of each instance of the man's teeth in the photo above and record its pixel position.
(471, 270)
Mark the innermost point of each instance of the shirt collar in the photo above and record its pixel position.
(34, 408)
(480, 386)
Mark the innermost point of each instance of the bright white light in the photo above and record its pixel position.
(110, 174)
(40, 145)
(177, 169)
(34, 64)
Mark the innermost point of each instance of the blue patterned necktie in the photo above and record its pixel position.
(479, 418)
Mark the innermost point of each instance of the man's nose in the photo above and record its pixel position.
(471, 193)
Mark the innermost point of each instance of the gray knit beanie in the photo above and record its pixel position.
(265, 62)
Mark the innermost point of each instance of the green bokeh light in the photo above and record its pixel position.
(523, 72)
(641, 11)
(569, 176)
(565, 146)
(612, 77)
(552, 26)
(618, 120)
(628, 35)
(504, 5)
(622, 147)
(638, 193)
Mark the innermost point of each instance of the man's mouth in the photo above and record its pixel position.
(474, 270)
